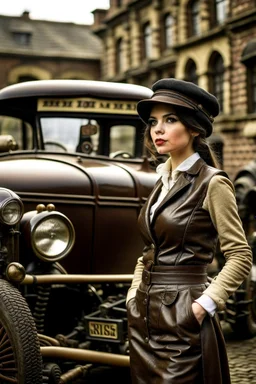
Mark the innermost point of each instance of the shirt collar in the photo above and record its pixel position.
(186, 164)
(164, 169)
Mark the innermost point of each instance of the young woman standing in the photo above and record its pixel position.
(174, 332)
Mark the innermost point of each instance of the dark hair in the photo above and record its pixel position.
(200, 144)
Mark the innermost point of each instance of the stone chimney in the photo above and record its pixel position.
(99, 16)
(25, 15)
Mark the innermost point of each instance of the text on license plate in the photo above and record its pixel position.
(100, 329)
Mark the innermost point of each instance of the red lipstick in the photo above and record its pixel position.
(159, 142)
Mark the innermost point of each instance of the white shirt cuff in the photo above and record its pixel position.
(207, 303)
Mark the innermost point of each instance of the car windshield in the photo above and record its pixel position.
(84, 135)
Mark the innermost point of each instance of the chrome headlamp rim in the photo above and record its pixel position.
(5, 204)
(42, 218)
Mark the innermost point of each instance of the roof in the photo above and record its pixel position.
(48, 38)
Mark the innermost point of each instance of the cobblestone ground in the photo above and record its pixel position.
(242, 358)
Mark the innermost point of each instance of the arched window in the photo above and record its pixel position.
(216, 77)
(249, 60)
(147, 39)
(23, 78)
(168, 31)
(194, 17)
(190, 72)
(119, 55)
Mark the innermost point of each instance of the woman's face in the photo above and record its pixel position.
(168, 134)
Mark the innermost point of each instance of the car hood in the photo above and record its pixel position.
(75, 176)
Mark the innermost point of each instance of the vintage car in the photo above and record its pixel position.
(72, 151)
(76, 146)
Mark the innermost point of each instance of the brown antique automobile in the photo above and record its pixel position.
(72, 154)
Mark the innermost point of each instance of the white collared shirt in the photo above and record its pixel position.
(169, 179)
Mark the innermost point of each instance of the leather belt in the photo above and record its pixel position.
(177, 274)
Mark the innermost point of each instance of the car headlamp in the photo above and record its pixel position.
(52, 235)
(11, 207)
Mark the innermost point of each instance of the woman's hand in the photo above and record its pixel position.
(199, 312)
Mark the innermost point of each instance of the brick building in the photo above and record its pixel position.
(39, 49)
(209, 42)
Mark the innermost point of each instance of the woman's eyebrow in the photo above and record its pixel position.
(166, 115)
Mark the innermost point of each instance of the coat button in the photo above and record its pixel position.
(146, 340)
(145, 319)
(145, 301)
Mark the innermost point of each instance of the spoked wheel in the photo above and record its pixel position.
(20, 359)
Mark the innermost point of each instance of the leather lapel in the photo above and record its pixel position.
(182, 181)
(150, 201)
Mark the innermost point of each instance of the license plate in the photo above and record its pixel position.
(103, 330)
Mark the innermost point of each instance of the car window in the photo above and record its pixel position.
(20, 131)
(74, 134)
(122, 139)
(70, 134)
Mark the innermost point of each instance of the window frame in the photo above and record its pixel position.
(193, 18)
(168, 31)
(147, 40)
(191, 65)
(251, 86)
(119, 55)
(216, 77)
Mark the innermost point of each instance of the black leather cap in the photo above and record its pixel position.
(182, 93)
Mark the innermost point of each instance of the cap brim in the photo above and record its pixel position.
(145, 106)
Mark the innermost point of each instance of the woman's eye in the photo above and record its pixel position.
(171, 120)
(152, 122)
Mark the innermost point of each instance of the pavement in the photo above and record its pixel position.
(242, 358)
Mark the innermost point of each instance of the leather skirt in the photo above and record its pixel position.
(167, 344)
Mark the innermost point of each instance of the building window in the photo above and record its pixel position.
(217, 71)
(194, 17)
(248, 58)
(22, 38)
(190, 72)
(119, 56)
(251, 86)
(147, 38)
(168, 31)
(24, 78)
(220, 11)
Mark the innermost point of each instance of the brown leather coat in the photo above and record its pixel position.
(167, 344)
(181, 230)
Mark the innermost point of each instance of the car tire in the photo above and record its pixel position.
(20, 358)
(241, 310)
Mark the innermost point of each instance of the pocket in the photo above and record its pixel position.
(193, 317)
(169, 297)
(164, 315)
(186, 320)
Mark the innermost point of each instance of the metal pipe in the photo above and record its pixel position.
(85, 355)
(67, 279)
(47, 339)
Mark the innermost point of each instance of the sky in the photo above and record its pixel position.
(75, 11)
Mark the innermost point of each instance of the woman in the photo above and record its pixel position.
(174, 333)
